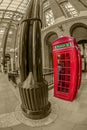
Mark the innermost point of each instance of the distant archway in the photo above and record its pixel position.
(79, 32)
(49, 38)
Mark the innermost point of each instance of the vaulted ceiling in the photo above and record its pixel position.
(11, 11)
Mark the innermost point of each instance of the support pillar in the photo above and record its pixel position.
(5, 36)
(33, 88)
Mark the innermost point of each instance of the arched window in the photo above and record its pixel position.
(79, 31)
(50, 37)
(48, 17)
(68, 9)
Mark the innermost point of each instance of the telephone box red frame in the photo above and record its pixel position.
(67, 68)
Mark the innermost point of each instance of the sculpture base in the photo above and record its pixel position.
(37, 114)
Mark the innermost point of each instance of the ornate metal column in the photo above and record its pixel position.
(33, 88)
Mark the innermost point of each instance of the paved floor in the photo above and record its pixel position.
(69, 115)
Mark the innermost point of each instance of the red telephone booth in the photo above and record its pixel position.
(66, 59)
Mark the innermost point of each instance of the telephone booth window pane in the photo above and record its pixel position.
(63, 72)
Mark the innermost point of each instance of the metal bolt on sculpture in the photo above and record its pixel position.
(33, 88)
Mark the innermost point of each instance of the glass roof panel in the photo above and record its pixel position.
(12, 8)
(8, 14)
(2, 7)
(17, 17)
(3, 25)
(5, 1)
(1, 13)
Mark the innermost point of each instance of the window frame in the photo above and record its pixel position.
(83, 2)
(68, 11)
(45, 10)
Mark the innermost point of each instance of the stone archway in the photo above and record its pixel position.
(49, 38)
(79, 31)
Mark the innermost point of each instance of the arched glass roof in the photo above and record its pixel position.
(12, 9)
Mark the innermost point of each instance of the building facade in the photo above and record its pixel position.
(63, 18)
(59, 18)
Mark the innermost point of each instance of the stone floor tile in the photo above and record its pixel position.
(8, 100)
(83, 98)
(82, 108)
(80, 127)
(8, 120)
(6, 129)
(24, 127)
(73, 117)
(59, 125)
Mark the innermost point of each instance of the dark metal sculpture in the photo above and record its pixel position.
(33, 88)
